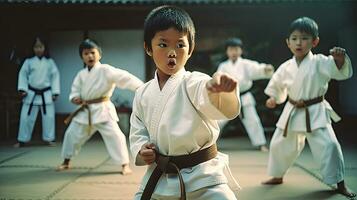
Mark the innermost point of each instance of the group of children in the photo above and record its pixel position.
(176, 115)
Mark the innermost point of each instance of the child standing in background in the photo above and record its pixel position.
(246, 71)
(91, 90)
(303, 80)
(39, 86)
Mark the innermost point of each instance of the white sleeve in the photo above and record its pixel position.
(198, 94)
(276, 88)
(327, 67)
(55, 79)
(76, 87)
(123, 79)
(256, 70)
(138, 132)
(23, 77)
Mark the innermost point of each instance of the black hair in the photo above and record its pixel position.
(306, 25)
(89, 44)
(233, 42)
(165, 17)
(42, 39)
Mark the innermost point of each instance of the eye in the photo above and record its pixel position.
(181, 45)
(162, 45)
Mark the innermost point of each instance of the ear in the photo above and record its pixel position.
(315, 42)
(148, 52)
(287, 42)
(192, 48)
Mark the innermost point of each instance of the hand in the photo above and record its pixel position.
(269, 69)
(221, 82)
(147, 153)
(54, 97)
(77, 100)
(338, 55)
(22, 93)
(270, 103)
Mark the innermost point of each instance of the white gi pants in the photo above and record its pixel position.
(221, 192)
(324, 146)
(27, 122)
(252, 125)
(114, 139)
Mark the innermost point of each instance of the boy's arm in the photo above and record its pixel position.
(123, 79)
(139, 135)
(55, 79)
(222, 93)
(338, 55)
(336, 66)
(276, 89)
(75, 89)
(343, 63)
(258, 71)
(23, 77)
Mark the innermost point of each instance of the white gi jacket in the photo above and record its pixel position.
(98, 82)
(168, 119)
(245, 71)
(306, 81)
(39, 73)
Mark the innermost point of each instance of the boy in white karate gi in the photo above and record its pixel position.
(174, 125)
(246, 71)
(303, 80)
(39, 85)
(91, 90)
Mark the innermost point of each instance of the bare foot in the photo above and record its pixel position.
(342, 189)
(63, 167)
(264, 148)
(126, 170)
(19, 145)
(273, 181)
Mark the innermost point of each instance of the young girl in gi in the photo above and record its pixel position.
(91, 90)
(246, 71)
(174, 125)
(307, 115)
(39, 85)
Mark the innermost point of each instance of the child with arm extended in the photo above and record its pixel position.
(174, 125)
(303, 80)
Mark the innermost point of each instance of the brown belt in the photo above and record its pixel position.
(83, 106)
(303, 104)
(173, 165)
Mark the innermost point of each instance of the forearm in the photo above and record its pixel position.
(227, 103)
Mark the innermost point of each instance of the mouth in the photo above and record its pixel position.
(171, 63)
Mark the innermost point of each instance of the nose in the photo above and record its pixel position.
(172, 53)
(298, 41)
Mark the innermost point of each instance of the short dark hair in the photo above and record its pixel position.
(306, 25)
(233, 42)
(165, 17)
(89, 44)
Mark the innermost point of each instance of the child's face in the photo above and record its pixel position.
(38, 48)
(91, 56)
(300, 43)
(170, 51)
(234, 52)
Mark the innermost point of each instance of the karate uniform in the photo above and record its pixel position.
(307, 81)
(246, 71)
(98, 82)
(38, 73)
(180, 119)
